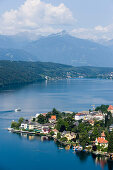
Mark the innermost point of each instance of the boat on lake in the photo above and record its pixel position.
(17, 110)
(61, 148)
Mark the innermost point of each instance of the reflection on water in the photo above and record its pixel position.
(32, 137)
(73, 95)
(83, 156)
(102, 161)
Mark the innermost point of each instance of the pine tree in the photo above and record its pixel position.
(110, 145)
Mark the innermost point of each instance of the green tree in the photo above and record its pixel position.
(34, 119)
(15, 125)
(51, 133)
(57, 113)
(103, 108)
(84, 139)
(41, 119)
(58, 135)
(96, 133)
(21, 119)
(107, 134)
(108, 119)
(110, 144)
(60, 126)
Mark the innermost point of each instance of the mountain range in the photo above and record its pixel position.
(59, 48)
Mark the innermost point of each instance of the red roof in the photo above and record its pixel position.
(110, 107)
(80, 114)
(53, 117)
(101, 140)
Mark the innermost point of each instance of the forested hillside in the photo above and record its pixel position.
(20, 72)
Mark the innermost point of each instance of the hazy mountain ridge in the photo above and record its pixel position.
(59, 48)
(15, 55)
(66, 49)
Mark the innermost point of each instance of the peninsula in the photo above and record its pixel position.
(90, 131)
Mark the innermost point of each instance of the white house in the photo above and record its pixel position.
(79, 116)
(24, 125)
(111, 128)
(102, 141)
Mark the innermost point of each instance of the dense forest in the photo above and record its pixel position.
(20, 72)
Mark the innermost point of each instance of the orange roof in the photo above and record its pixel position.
(102, 140)
(55, 130)
(110, 107)
(80, 114)
(53, 117)
(44, 114)
(103, 134)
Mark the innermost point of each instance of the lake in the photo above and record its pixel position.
(29, 152)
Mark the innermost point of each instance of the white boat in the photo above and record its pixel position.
(17, 110)
(10, 129)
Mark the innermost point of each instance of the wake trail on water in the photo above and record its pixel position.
(6, 111)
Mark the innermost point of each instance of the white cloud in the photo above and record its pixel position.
(36, 17)
(96, 33)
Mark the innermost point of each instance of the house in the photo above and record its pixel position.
(110, 109)
(91, 122)
(80, 116)
(24, 125)
(99, 117)
(37, 115)
(46, 127)
(55, 131)
(34, 125)
(69, 135)
(45, 130)
(90, 133)
(102, 141)
(44, 114)
(111, 128)
(67, 112)
(52, 119)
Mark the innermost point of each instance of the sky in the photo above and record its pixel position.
(90, 19)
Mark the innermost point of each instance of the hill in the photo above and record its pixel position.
(21, 72)
(15, 55)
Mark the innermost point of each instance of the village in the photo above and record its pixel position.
(88, 131)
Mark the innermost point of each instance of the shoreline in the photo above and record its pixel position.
(63, 144)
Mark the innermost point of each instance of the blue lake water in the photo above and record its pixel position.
(23, 152)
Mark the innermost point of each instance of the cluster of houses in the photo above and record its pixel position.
(93, 115)
(41, 128)
(84, 116)
(90, 116)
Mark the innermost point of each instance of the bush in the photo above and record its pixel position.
(51, 133)
(58, 135)
(64, 139)
(15, 125)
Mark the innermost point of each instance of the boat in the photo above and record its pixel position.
(74, 148)
(61, 148)
(17, 110)
(10, 129)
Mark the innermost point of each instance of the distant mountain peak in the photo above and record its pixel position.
(62, 33)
